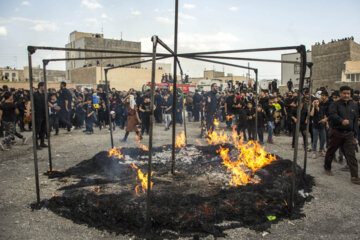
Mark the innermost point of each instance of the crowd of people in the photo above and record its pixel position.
(333, 115)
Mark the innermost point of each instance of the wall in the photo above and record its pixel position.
(288, 70)
(86, 75)
(126, 78)
(329, 61)
(88, 42)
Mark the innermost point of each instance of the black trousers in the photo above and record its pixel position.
(54, 122)
(196, 111)
(40, 128)
(344, 140)
(64, 117)
(209, 123)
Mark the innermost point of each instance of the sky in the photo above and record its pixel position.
(203, 26)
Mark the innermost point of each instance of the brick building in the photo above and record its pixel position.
(329, 63)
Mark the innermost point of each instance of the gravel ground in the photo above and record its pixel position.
(332, 214)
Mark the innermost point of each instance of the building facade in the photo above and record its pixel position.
(11, 74)
(292, 71)
(97, 41)
(119, 78)
(330, 63)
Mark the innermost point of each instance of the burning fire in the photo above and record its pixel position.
(249, 157)
(115, 153)
(229, 117)
(180, 140)
(216, 123)
(143, 147)
(215, 138)
(139, 189)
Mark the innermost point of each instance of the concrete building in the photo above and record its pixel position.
(53, 76)
(11, 74)
(22, 75)
(351, 72)
(220, 76)
(97, 41)
(292, 71)
(119, 78)
(330, 62)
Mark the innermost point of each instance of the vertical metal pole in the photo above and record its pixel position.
(108, 107)
(174, 88)
(153, 69)
(308, 119)
(302, 52)
(30, 52)
(256, 103)
(47, 115)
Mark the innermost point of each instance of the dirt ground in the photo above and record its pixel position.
(332, 214)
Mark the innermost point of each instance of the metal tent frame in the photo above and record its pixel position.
(199, 56)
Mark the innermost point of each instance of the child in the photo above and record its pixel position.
(8, 112)
(145, 109)
(89, 117)
(241, 122)
(54, 114)
(250, 120)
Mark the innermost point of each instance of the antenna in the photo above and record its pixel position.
(102, 27)
(120, 35)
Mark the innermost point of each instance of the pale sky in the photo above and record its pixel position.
(203, 25)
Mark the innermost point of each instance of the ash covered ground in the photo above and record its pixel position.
(335, 198)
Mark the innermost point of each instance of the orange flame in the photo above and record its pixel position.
(180, 140)
(139, 189)
(216, 123)
(250, 157)
(229, 117)
(143, 147)
(215, 138)
(115, 153)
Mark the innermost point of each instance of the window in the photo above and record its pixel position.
(296, 68)
(6, 76)
(353, 77)
(348, 77)
(13, 76)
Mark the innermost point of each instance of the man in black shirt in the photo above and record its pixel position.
(197, 105)
(269, 111)
(8, 112)
(343, 116)
(211, 107)
(65, 105)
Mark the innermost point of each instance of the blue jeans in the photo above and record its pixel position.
(270, 129)
(319, 133)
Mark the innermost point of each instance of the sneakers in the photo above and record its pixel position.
(271, 141)
(355, 180)
(329, 172)
(71, 129)
(3, 147)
